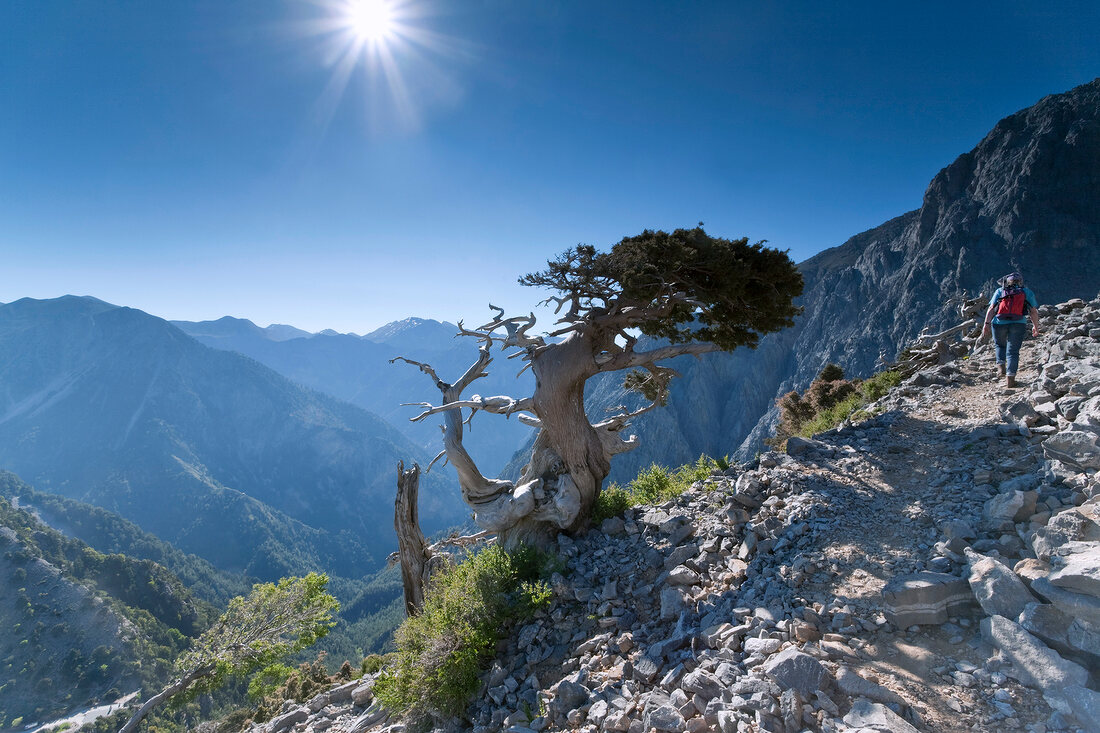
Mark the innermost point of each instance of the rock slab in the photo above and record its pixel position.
(925, 598)
(999, 591)
(1033, 662)
(872, 716)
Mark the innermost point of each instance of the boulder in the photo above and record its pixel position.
(288, 719)
(1029, 569)
(872, 716)
(342, 693)
(957, 529)
(1076, 447)
(672, 603)
(797, 446)
(568, 696)
(925, 598)
(1085, 706)
(763, 646)
(663, 717)
(683, 575)
(702, 683)
(646, 668)
(1073, 604)
(999, 591)
(1004, 507)
(1072, 525)
(1084, 637)
(370, 717)
(795, 670)
(1033, 662)
(1078, 572)
(1046, 622)
(363, 694)
(1088, 415)
(852, 685)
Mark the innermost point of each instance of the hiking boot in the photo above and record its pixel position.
(1010, 381)
(1000, 370)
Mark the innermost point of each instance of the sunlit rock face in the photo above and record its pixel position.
(1024, 199)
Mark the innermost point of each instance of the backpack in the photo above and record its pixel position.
(1013, 303)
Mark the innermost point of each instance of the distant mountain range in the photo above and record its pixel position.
(207, 449)
(357, 369)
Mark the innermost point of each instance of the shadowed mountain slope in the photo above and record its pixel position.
(207, 449)
(357, 369)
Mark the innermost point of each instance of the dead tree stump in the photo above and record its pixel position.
(413, 551)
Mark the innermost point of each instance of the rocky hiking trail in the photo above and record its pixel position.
(933, 568)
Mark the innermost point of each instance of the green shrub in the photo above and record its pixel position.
(612, 502)
(878, 385)
(829, 400)
(268, 680)
(467, 607)
(372, 663)
(654, 485)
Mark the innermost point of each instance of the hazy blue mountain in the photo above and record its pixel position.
(357, 369)
(1025, 198)
(108, 533)
(207, 449)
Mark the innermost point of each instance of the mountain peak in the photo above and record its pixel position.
(398, 330)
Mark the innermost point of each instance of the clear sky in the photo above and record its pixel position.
(290, 161)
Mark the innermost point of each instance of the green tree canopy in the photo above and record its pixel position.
(272, 622)
(683, 286)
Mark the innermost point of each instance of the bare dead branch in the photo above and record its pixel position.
(500, 405)
(441, 454)
(427, 369)
(628, 359)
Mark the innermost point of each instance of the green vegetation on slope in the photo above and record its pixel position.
(467, 608)
(79, 625)
(111, 534)
(654, 485)
(828, 401)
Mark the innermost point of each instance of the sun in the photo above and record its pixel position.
(370, 20)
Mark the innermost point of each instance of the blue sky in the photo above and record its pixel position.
(202, 158)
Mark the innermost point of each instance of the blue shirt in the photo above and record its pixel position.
(1031, 303)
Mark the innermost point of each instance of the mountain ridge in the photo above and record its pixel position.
(113, 406)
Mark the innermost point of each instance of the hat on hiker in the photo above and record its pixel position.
(1013, 278)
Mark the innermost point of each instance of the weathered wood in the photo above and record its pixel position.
(175, 687)
(413, 551)
(929, 338)
(571, 455)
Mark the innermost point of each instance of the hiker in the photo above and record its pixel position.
(1008, 311)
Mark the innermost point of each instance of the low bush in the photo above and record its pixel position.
(829, 400)
(467, 607)
(654, 485)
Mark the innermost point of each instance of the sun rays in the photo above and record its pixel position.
(382, 49)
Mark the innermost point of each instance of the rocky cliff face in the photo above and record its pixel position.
(1024, 199)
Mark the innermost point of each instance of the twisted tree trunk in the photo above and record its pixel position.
(413, 551)
(176, 687)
